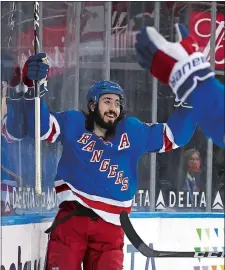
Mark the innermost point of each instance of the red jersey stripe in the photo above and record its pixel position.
(53, 132)
(95, 204)
(168, 144)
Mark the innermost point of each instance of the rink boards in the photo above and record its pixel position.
(24, 241)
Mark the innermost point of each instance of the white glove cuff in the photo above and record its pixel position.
(183, 69)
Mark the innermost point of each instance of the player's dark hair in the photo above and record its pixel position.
(91, 119)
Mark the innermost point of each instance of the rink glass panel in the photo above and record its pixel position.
(104, 34)
(173, 168)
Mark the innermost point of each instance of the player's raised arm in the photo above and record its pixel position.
(52, 123)
(13, 125)
(181, 66)
(164, 137)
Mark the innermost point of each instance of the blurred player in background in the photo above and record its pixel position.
(11, 102)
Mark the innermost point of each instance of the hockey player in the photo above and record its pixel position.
(97, 173)
(11, 108)
(186, 70)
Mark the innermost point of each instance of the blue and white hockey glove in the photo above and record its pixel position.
(179, 65)
(35, 68)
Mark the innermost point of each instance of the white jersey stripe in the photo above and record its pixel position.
(170, 136)
(9, 138)
(52, 123)
(93, 197)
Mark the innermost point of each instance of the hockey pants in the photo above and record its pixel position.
(81, 239)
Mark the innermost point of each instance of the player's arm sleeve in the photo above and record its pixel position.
(208, 104)
(14, 124)
(52, 123)
(164, 137)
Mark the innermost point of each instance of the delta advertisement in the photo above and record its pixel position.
(170, 234)
(19, 200)
(176, 201)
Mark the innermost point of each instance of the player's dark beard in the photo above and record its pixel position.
(95, 117)
(109, 126)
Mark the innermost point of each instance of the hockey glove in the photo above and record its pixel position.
(178, 64)
(35, 68)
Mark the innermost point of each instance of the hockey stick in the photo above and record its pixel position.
(37, 105)
(15, 176)
(138, 243)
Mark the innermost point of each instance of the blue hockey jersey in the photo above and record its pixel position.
(9, 148)
(9, 141)
(100, 174)
(9, 166)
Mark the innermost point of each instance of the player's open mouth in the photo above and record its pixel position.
(111, 116)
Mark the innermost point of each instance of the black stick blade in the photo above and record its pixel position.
(139, 244)
(134, 238)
